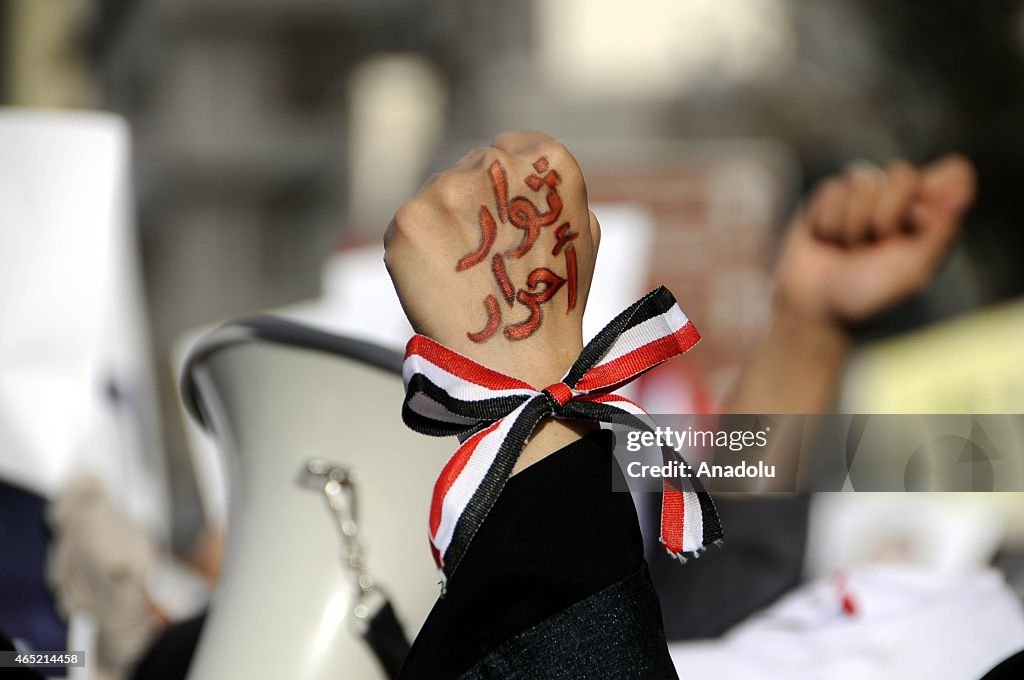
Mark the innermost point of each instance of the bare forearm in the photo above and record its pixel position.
(796, 369)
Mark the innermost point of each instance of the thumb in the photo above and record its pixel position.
(947, 191)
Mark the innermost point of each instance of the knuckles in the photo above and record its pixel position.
(453, 196)
(408, 214)
(561, 159)
(901, 172)
(447, 188)
(863, 191)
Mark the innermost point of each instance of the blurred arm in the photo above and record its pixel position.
(867, 240)
(796, 369)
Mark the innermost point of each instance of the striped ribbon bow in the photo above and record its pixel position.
(449, 394)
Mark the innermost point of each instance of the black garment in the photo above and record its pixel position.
(28, 608)
(611, 635)
(1010, 669)
(21, 673)
(170, 655)
(557, 544)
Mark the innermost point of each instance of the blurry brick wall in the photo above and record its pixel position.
(718, 209)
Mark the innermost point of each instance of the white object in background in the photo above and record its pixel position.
(285, 603)
(909, 623)
(82, 635)
(358, 300)
(945, 532)
(622, 273)
(396, 113)
(75, 387)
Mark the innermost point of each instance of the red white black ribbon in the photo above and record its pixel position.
(449, 394)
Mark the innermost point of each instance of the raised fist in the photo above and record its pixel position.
(494, 258)
(869, 238)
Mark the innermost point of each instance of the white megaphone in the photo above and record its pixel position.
(327, 505)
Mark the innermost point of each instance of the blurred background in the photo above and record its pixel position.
(268, 142)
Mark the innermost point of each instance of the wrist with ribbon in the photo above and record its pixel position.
(495, 414)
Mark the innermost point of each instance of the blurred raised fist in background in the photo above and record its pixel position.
(869, 238)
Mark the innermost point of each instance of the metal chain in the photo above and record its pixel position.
(339, 487)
